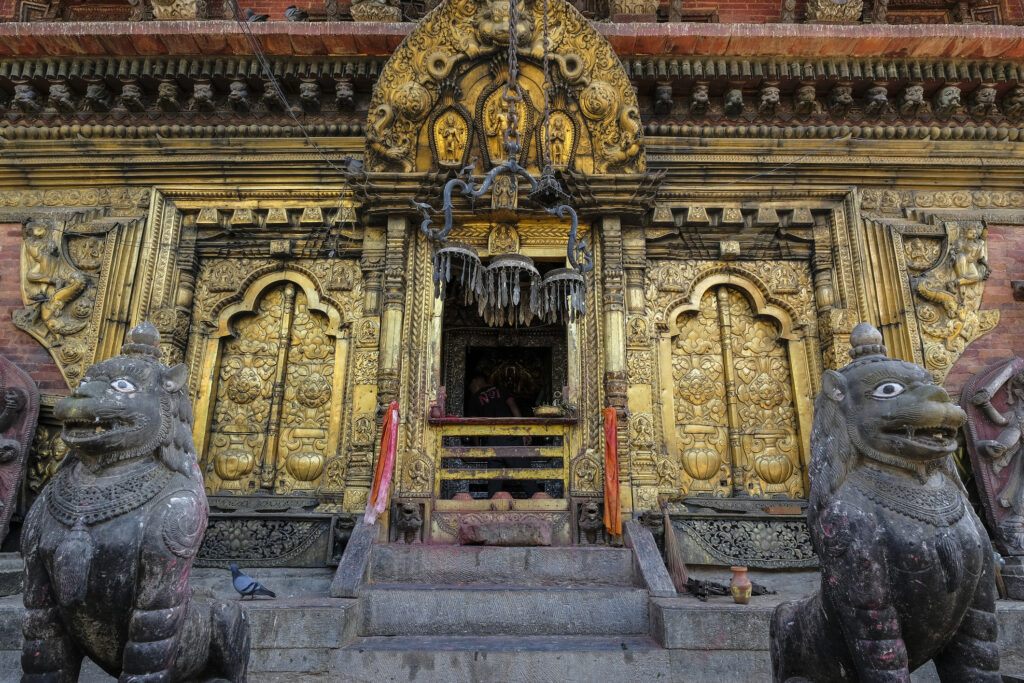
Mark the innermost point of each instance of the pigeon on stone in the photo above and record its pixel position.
(248, 586)
(293, 13)
(252, 17)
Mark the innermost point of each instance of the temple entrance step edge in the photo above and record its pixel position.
(404, 610)
(494, 565)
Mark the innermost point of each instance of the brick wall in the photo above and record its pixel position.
(16, 345)
(1006, 257)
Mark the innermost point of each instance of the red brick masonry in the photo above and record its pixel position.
(128, 39)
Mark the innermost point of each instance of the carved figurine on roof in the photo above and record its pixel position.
(438, 103)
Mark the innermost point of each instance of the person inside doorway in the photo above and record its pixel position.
(487, 400)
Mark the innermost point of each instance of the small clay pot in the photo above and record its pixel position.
(740, 585)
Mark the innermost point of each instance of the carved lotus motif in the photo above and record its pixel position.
(245, 386)
(233, 465)
(314, 391)
(701, 463)
(696, 388)
(305, 465)
(766, 392)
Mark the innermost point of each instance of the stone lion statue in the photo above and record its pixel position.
(906, 566)
(109, 542)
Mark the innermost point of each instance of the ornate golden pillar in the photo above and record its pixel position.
(394, 308)
(649, 468)
(613, 305)
(359, 472)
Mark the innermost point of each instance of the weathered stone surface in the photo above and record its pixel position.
(523, 533)
(110, 540)
(906, 564)
(543, 566)
(12, 573)
(401, 610)
(354, 561)
(648, 562)
(19, 412)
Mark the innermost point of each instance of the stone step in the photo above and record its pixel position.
(428, 659)
(459, 565)
(409, 610)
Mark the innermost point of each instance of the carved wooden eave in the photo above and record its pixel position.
(627, 195)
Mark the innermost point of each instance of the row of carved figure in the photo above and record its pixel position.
(239, 95)
(908, 570)
(911, 102)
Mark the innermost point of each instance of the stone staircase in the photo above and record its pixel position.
(468, 613)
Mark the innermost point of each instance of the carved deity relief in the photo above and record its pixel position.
(451, 133)
(562, 136)
(59, 281)
(948, 297)
(466, 40)
(994, 401)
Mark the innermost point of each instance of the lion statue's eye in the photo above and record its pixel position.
(888, 390)
(123, 385)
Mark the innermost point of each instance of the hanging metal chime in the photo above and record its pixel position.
(561, 295)
(468, 266)
(503, 300)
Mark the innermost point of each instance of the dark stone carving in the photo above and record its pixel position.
(266, 540)
(26, 99)
(663, 99)
(733, 104)
(947, 102)
(994, 401)
(700, 100)
(60, 99)
(409, 521)
(840, 99)
(19, 411)
(876, 101)
(906, 566)
(98, 97)
(168, 96)
(344, 94)
(309, 96)
(805, 103)
(132, 98)
(591, 521)
(757, 543)
(238, 96)
(202, 97)
(109, 543)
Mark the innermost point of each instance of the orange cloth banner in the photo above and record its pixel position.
(378, 500)
(612, 506)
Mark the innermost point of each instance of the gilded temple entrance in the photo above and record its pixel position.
(737, 430)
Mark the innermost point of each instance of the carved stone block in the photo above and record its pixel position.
(19, 411)
(994, 401)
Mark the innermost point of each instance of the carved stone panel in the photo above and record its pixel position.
(994, 401)
(19, 410)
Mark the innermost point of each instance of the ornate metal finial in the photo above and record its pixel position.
(143, 340)
(866, 341)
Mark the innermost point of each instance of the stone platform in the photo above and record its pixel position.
(429, 614)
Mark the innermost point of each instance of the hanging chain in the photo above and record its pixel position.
(546, 147)
(513, 94)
